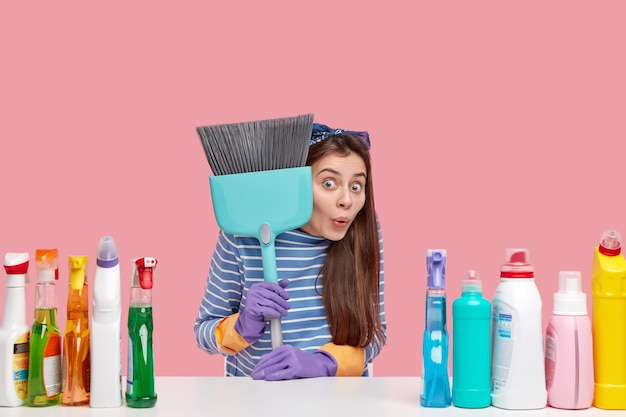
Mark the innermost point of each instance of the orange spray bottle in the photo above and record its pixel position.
(76, 361)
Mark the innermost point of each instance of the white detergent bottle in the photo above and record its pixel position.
(518, 372)
(14, 333)
(105, 349)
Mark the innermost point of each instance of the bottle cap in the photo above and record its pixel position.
(517, 264)
(144, 269)
(471, 283)
(107, 252)
(569, 300)
(610, 243)
(16, 263)
(16, 267)
(436, 266)
(47, 265)
(78, 267)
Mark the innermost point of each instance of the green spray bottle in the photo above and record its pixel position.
(140, 392)
(471, 345)
(44, 364)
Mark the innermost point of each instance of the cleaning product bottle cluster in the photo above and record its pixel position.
(499, 354)
(40, 366)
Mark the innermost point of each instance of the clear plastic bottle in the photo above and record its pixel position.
(608, 318)
(517, 372)
(471, 345)
(568, 349)
(140, 392)
(76, 361)
(14, 333)
(44, 365)
(435, 345)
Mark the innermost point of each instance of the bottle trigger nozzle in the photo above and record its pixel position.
(145, 267)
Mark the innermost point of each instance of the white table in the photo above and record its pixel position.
(233, 397)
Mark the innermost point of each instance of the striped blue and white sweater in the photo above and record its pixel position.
(237, 264)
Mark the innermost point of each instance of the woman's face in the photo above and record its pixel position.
(338, 194)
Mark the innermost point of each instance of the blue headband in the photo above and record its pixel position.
(322, 132)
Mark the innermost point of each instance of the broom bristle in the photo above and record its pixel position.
(260, 145)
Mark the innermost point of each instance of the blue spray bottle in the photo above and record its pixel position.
(435, 380)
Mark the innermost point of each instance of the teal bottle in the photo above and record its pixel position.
(140, 390)
(471, 346)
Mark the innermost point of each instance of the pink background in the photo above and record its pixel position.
(494, 124)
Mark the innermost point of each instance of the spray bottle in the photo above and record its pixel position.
(44, 365)
(435, 379)
(76, 361)
(14, 333)
(608, 300)
(106, 362)
(569, 353)
(140, 391)
(471, 346)
(518, 370)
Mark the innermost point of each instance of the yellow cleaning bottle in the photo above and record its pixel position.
(76, 360)
(608, 291)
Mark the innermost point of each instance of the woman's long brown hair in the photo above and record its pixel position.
(351, 271)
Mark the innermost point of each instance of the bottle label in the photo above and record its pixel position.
(431, 354)
(502, 347)
(52, 366)
(129, 369)
(550, 357)
(20, 366)
(86, 370)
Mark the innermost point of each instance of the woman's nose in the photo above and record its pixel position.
(345, 199)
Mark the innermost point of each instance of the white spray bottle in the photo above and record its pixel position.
(106, 360)
(14, 333)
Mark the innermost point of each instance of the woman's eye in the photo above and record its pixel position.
(356, 187)
(329, 184)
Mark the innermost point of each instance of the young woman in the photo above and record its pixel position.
(331, 292)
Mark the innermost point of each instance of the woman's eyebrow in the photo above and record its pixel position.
(337, 173)
(331, 170)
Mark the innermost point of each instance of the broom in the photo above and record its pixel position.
(260, 185)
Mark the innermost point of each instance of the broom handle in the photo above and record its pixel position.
(270, 274)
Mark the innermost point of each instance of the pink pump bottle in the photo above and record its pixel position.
(568, 351)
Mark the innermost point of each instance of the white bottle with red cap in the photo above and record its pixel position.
(518, 371)
(14, 333)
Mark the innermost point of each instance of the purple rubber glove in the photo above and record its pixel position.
(289, 362)
(265, 300)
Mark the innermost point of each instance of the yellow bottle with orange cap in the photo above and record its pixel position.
(608, 290)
